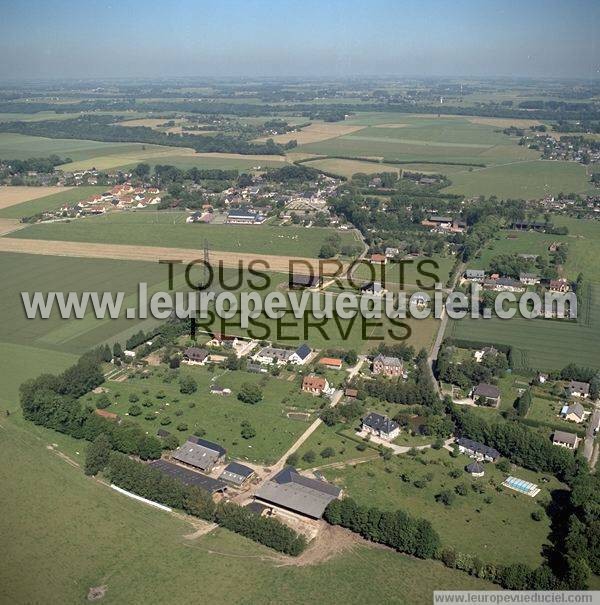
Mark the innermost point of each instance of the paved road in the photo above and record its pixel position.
(588, 444)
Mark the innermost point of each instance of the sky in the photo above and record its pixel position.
(155, 38)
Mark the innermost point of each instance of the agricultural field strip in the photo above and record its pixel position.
(149, 253)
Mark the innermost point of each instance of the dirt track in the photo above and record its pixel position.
(153, 254)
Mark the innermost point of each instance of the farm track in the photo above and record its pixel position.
(274, 263)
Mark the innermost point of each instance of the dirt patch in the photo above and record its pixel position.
(298, 416)
(95, 593)
(330, 542)
(11, 196)
(52, 448)
(153, 359)
(319, 131)
(8, 225)
(202, 529)
(503, 122)
(390, 125)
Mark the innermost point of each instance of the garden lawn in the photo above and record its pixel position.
(500, 532)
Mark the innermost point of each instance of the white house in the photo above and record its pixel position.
(380, 426)
(301, 355)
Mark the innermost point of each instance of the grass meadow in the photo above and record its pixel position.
(169, 229)
(500, 531)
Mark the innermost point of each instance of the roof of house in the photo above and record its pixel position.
(378, 258)
(564, 437)
(241, 213)
(475, 467)
(303, 351)
(198, 452)
(351, 392)
(576, 409)
(373, 286)
(380, 423)
(188, 477)
(275, 353)
(480, 448)
(579, 387)
(236, 472)
(388, 361)
(475, 273)
(487, 390)
(195, 353)
(313, 382)
(528, 276)
(293, 491)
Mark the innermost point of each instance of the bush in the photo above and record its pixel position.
(250, 393)
(182, 426)
(134, 410)
(309, 456)
(133, 398)
(446, 497)
(165, 420)
(103, 401)
(536, 515)
(292, 459)
(187, 385)
(328, 452)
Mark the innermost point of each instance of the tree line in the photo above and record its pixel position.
(150, 483)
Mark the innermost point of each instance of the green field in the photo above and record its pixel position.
(522, 179)
(21, 147)
(170, 229)
(539, 343)
(220, 415)
(50, 202)
(501, 531)
(414, 138)
(31, 273)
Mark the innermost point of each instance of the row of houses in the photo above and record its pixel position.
(508, 284)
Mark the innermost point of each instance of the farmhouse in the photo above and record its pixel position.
(503, 284)
(392, 252)
(300, 355)
(481, 353)
(373, 288)
(574, 413)
(489, 392)
(380, 426)
(333, 363)
(315, 385)
(294, 492)
(195, 356)
(475, 274)
(378, 259)
(189, 477)
(244, 217)
(559, 285)
(199, 453)
(301, 280)
(388, 366)
(529, 279)
(476, 469)
(236, 473)
(564, 439)
(477, 450)
(273, 355)
(578, 389)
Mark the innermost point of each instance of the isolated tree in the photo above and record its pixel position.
(250, 393)
(187, 385)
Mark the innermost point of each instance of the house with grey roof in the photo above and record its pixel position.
(476, 469)
(200, 453)
(489, 394)
(388, 366)
(380, 426)
(236, 473)
(578, 389)
(529, 279)
(273, 355)
(564, 439)
(475, 274)
(574, 413)
(294, 492)
(195, 355)
(477, 450)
